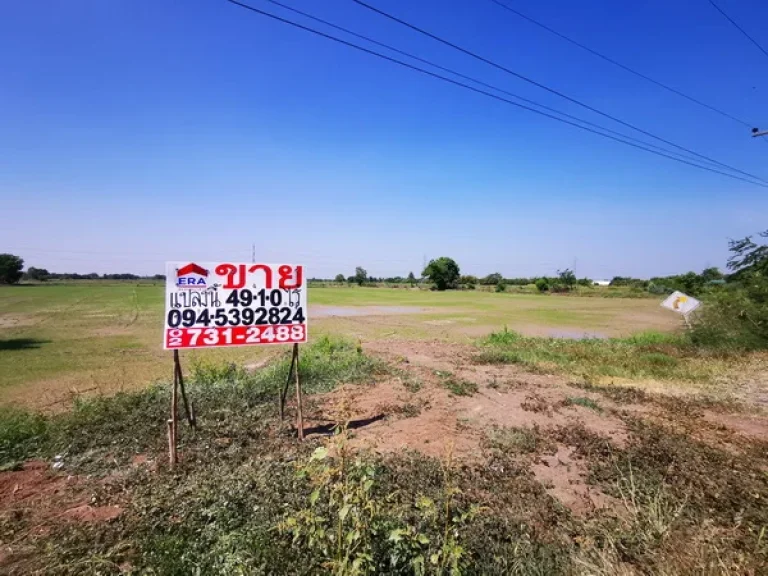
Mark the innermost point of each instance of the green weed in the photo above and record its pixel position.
(646, 355)
(583, 401)
(456, 386)
(21, 434)
(129, 423)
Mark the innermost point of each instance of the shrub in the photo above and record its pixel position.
(735, 318)
(20, 434)
(542, 284)
(501, 287)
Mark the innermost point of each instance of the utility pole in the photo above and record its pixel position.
(253, 254)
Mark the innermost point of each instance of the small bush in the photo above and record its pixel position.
(455, 385)
(516, 440)
(584, 402)
(506, 336)
(542, 284)
(206, 371)
(21, 433)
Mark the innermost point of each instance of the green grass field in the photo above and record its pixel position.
(97, 337)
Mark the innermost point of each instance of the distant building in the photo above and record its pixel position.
(602, 282)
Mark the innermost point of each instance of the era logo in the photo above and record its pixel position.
(191, 276)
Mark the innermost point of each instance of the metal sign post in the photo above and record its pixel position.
(682, 304)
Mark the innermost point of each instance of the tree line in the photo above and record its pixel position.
(12, 272)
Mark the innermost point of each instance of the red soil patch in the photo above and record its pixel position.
(751, 426)
(34, 500)
(88, 513)
(34, 481)
(387, 417)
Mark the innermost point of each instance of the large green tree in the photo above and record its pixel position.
(567, 278)
(10, 268)
(748, 257)
(39, 274)
(361, 275)
(443, 273)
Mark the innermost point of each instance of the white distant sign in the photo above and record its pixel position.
(218, 304)
(681, 303)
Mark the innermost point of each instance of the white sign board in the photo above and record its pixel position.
(681, 303)
(219, 304)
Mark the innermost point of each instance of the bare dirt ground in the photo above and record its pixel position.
(416, 411)
(39, 498)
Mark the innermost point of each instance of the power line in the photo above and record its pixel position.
(619, 64)
(739, 28)
(475, 80)
(547, 88)
(483, 92)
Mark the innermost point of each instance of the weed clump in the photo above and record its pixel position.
(455, 385)
(646, 355)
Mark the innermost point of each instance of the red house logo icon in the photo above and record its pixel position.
(191, 276)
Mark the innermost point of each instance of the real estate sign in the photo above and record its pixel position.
(218, 304)
(682, 303)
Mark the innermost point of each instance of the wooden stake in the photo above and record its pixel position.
(174, 410)
(189, 409)
(171, 445)
(300, 415)
(284, 392)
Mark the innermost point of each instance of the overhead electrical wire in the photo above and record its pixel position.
(739, 28)
(480, 91)
(547, 88)
(619, 64)
(475, 80)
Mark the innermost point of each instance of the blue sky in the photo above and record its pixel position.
(141, 131)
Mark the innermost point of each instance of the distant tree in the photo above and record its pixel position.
(39, 274)
(501, 286)
(339, 278)
(443, 272)
(710, 274)
(159, 277)
(567, 278)
(626, 281)
(10, 269)
(748, 257)
(411, 278)
(491, 279)
(585, 282)
(542, 284)
(361, 276)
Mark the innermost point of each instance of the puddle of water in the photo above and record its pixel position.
(326, 311)
(575, 334)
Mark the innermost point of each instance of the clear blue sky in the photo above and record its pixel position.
(139, 131)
